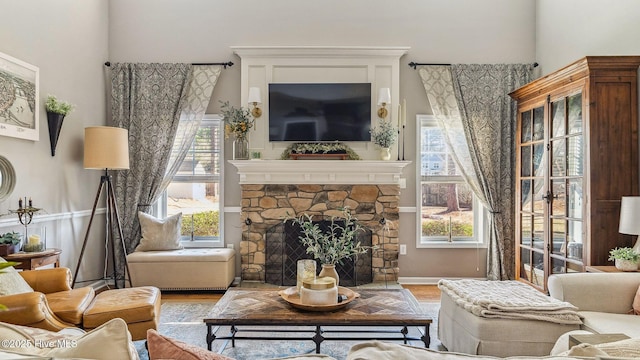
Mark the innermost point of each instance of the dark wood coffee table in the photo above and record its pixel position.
(376, 308)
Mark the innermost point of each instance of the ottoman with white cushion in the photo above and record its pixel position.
(461, 331)
(183, 269)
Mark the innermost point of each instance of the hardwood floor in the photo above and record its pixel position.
(421, 292)
(424, 292)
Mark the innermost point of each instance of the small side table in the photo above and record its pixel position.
(594, 339)
(34, 260)
(605, 268)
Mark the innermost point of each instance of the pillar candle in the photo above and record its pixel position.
(34, 239)
(404, 112)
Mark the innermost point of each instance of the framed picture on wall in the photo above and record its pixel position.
(19, 94)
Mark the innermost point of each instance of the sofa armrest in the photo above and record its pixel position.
(603, 292)
(30, 309)
(48, 280)
(22, 309)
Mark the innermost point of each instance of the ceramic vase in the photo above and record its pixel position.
(385, 154)
(241, 148)
(330, 271)
(626, 265)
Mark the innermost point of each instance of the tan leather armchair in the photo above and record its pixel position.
(53, 305)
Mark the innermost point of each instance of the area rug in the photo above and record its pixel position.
(182, 320)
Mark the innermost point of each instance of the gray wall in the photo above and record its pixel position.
(68, 41)
(459, 31)
(568, 30)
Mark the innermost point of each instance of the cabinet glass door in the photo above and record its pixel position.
(532, 204)
(565, 178)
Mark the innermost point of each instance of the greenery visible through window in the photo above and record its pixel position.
(196, 189)
(447, 209)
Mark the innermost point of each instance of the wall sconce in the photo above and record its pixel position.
(384, 99)
(255, 99)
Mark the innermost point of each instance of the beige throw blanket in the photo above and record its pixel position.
(508, 300)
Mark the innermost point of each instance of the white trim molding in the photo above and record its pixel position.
(320, 51)
(13, 220)
(348, 172)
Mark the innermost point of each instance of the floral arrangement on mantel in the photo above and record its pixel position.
(319, 148)
(238, 121)
(330, 247)
(384, 135)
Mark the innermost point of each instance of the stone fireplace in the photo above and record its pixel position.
(275, 189)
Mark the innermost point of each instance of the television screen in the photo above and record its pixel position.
(319, 112)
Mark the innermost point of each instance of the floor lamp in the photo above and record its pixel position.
(106, 148)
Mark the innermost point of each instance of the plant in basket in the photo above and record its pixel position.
(626, 259)
(9, 243)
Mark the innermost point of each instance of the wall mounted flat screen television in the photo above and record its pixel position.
(313, 112)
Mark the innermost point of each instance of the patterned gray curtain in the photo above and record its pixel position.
(148, 100)
(472, 103)
(199, 92)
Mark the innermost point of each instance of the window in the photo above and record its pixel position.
(196, 189)
(448, 213)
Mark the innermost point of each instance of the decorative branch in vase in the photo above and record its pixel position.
(332, 245)
(238, 122)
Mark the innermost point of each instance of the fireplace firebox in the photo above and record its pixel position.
(283, 249)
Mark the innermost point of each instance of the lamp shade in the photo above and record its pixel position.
(254, 95)
(106, 148)
(630, 215)
(384, 96)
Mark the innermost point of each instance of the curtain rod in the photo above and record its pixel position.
(225, 64)
(415, 65)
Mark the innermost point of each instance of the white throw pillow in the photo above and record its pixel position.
(111, 340)
(159, 234)
(12, 283)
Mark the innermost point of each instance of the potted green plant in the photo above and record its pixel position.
(332, 245)
(238, 121)
(626, 259)
(9, 243)
(56, 111)
(384, 135)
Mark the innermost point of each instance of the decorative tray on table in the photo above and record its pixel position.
(291, 296)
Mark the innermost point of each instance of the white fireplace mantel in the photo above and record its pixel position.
(349, 172)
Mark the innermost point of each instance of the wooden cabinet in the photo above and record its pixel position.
(576, 156)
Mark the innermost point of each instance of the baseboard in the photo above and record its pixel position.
(100, 285)
(417, 280)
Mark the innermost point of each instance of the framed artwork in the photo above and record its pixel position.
(19, 94)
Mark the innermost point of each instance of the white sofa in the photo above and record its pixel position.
(184, 269)
(603, 299)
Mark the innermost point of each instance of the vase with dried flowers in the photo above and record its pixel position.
(238, 122)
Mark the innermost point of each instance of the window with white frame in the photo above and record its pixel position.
(196, 189)
(448, 212)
